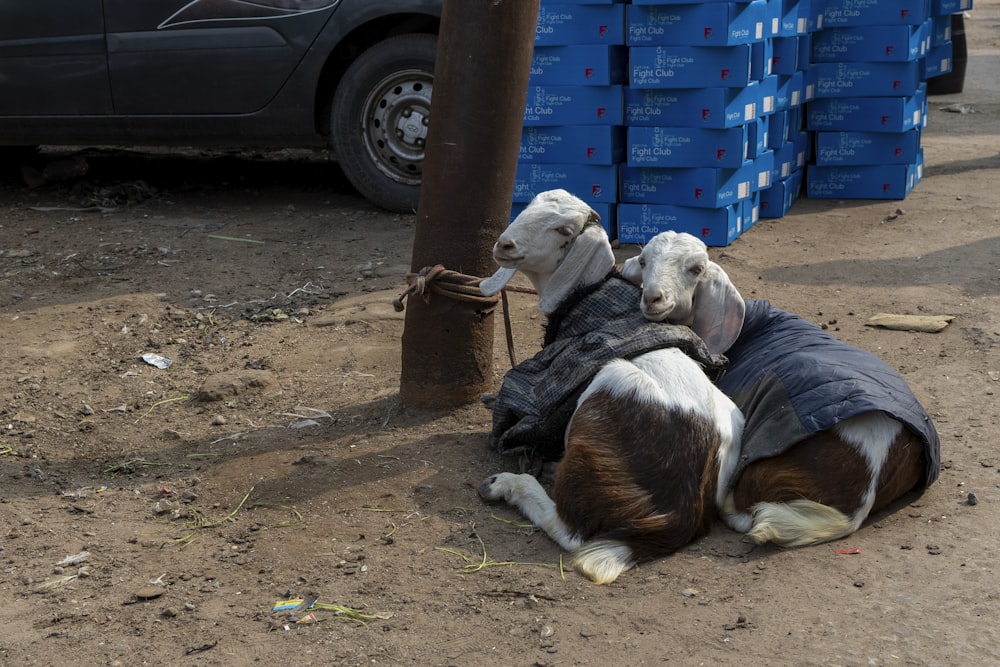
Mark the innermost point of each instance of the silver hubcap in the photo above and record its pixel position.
(396, 116)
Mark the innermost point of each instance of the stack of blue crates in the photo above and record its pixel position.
(871, 62)
(697, 152)
(713, 111)
(795, 87)
(939, 56)
(573, 136)
(704, 116)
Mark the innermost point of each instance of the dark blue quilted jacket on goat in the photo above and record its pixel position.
(791, 379)
(590, 328)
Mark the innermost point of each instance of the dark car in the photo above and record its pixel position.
(354, 76)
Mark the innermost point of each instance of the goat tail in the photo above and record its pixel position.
(798, 523)
(602, 561)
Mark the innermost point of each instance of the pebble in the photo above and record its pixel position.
(164, 506)
(219, 420)
(150, 592)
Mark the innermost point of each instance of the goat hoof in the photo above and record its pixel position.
(493, 488)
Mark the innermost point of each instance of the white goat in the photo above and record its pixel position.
(832, 433)
(557, 242)
(649, 437)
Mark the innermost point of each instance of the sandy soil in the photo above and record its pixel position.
(273, 459)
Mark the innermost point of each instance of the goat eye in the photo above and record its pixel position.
(565, 231)
(642, 263)
(697, 269)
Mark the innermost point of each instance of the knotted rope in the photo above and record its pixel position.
(454, 285)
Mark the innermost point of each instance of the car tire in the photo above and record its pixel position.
(379, 118)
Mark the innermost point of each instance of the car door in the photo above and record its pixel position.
(53, 59)
(191, 57)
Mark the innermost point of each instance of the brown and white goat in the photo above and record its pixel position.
(650, 436)
(832, 434)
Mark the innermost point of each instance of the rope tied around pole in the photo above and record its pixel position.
(439, 280)
(461, 287)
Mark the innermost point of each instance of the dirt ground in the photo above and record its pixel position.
(273, 460)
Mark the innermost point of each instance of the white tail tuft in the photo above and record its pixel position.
(602, 561)
(798, 523)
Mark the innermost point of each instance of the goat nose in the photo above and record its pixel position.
(652, 298)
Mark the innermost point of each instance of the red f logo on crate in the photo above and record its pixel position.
(903, 13)
(895, 84)
(888, 50)
(588, 72)
(885, 119)
(724, 73)
(602, 30)
(601, 111)
(590, 151)
(596, 190)
(898, 151)
(697, 193)
(886, 187)
(705, 231)
(707, 32)
(705, 113)
(720, 154)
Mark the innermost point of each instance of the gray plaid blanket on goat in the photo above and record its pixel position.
(592, 327)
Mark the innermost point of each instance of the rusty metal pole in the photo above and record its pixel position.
(477, 110)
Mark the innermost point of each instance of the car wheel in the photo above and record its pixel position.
(379, 119)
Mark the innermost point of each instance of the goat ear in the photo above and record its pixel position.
(589, 260)
(496, 282)
(718, 310)
(632, 271)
